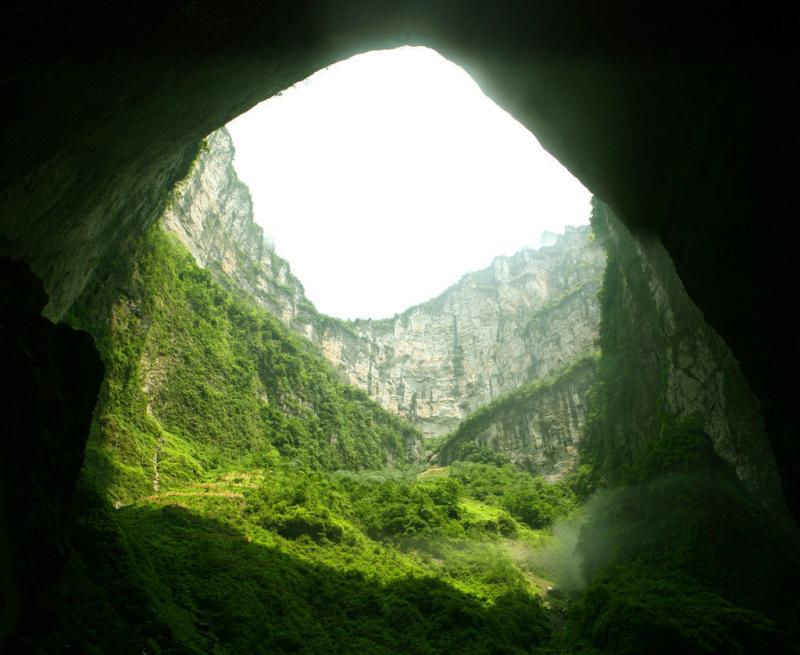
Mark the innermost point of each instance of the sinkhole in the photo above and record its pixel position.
(384, 377)
(418, 235)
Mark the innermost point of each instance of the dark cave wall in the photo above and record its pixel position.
(664, 368)
(679, 118)
(49, 378)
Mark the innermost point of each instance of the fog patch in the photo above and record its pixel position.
(555, 558)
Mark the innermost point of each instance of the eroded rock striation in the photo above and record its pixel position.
(521, 319)
(211, 213)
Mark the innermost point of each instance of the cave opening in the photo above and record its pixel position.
(417, 181)
(240, 495)
(376, 177)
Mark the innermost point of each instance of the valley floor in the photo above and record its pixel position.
(285, 560)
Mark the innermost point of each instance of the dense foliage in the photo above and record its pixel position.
(198, 378)
(212, 519)
(286, 560)
(679, 556)
(236, 498)
(633, 609)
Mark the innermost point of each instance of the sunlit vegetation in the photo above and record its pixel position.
(236, 496)
(287, 560)
(239, 497)
(200, 379)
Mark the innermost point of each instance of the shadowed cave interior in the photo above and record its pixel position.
(680, 121)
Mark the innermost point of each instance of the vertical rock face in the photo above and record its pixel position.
(521, 319)
(662, 362)
(537, 427)
(211, 212)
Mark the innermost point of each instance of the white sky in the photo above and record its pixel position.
(384, 178)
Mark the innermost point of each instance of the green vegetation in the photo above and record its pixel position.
(528, 499)
(284, 559)
(685, 555)
(634, 609)
(679, 557)
(198, 379)
(236, 496)
(630, 380)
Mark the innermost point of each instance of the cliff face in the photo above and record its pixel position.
(538, 426)
(521, 319)
(663, 363)
(211, 212)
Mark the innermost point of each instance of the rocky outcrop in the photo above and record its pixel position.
(662, 362)
(537, 427)
(519, 320)
(211, 212)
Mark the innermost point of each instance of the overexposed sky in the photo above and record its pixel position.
(384, 178)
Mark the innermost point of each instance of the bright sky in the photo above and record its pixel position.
(384, 178)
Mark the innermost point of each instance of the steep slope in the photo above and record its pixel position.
(208, 518)
(211, 213)
(663, 363)
(519, 320)
(538, 426)
(688, 538)
(198, 378)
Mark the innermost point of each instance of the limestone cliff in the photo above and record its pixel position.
(537, 427)
(211, 212)
(521, 319)
(662, 362)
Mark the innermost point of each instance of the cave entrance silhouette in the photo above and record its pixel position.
(679, 117)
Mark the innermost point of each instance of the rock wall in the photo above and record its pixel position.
(662, 362)
(537, 427)
(211, 212)
(521, 319)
